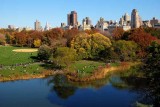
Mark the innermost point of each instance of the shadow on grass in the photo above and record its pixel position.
(35, 58)
(50, 66)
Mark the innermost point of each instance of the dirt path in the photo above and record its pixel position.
(25, 50)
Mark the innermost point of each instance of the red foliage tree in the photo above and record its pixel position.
(36, 35)
(55, 33)
(118, 33)
(142, 38)
(92, 31)
(21, 38)
(70, 34)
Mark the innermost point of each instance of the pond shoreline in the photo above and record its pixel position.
(31, 76)
(100, 73)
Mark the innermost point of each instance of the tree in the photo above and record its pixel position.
(21, 38)
(118, 33)
(82, 44)
(64, 56)
(52, 35)
(37, 43)
(153, 31)
(92, 31)
(109, 55)
(2, 39)
(142, 38)
(33, 37)
(99, 43)
(89, 46)
(70, 34)
(44, 52)
(126, 49)
(153, 59)
(152, 70)
(8, 38)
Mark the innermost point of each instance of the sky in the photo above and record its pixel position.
(22, 13)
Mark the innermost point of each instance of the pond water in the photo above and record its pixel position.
(56, 91)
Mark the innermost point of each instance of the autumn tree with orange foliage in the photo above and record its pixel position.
(54, 37)
(54, 33)
(142, 38)
(70, 34)
(92, 31)
(21, 38)
(36, 35)
(2, 39)
(33, 36)
(118, 33)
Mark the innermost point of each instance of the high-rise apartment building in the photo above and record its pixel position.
(154, 21)
(86, 23)
(102, 25)
(37, 26)
(136, 21)
(127, 17)
(72, 19)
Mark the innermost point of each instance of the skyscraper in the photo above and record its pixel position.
(86, 23)
(127, 17)
(47, 27)
(136, 21)
(125, 20)
(72, 19)
(37, 25)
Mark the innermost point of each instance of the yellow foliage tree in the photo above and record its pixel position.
(37, 43)
(90, 45)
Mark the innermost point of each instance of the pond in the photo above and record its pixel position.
(56, 91)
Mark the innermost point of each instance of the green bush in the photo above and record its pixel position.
(126, 50)
(44, 52)
(64, 56)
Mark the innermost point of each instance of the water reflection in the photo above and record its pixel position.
(65, 89)
(148, 91)
(64, 92)
(62, 87)
(95, 93)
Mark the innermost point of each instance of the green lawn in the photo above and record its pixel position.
(8, 57)
(85, 67)
(21, 70)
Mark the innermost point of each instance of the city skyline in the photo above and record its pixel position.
(24, 13)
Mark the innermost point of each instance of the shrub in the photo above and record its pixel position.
(64, 56)
(44, 52)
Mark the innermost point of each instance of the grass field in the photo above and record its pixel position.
(85, 67)
(9, 57)
(21, 70)
(15, 63)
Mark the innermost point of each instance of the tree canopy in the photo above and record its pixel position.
(88, 46)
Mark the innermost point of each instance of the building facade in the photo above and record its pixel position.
(136, 21)
(125, 20)
(154, 21)
(37, 26)
(72, 19)
(47, 27)
(102, 25)
(86, 24)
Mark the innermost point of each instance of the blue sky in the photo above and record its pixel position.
(23, 13)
